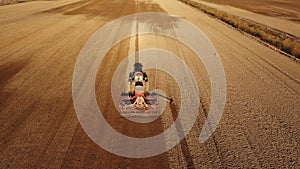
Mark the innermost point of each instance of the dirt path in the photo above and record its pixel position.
(39, 127)
(276, 22)
(285, 9)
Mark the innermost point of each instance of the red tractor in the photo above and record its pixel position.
(138, 99)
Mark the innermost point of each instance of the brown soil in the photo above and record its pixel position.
(288, 9)
(39, 128)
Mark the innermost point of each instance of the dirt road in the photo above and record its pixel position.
(284, 24)
(286, 9)
(40, 42)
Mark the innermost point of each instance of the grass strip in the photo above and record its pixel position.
(287, 43)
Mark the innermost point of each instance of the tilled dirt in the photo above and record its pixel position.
(39, 127)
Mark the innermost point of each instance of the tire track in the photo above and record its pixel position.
(184, 146)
